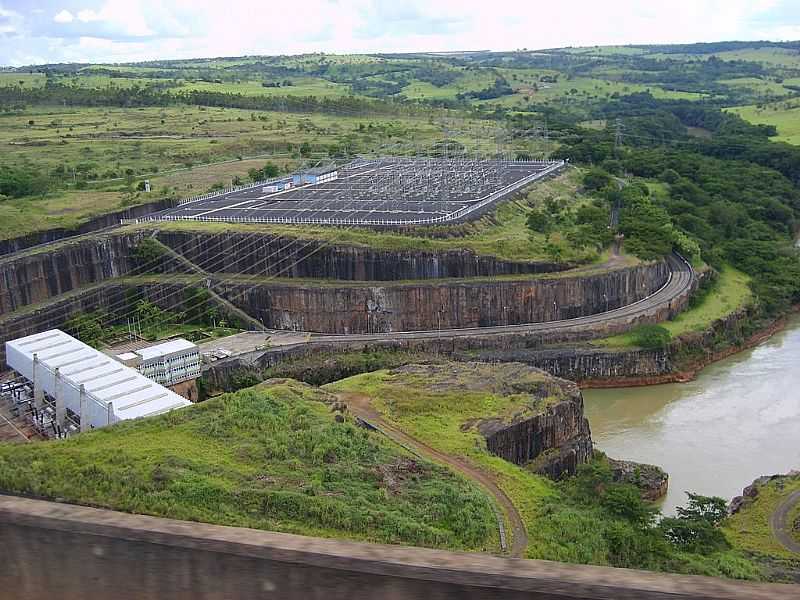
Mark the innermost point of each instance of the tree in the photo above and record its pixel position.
(625, 502)
(711, 509)
(651, 337)
(305, 149)
(648, 229)
(538, 221)
(596, 179)
(669, 176)
(270, 170)
(696, 528)
(147, 255)
(87, 327)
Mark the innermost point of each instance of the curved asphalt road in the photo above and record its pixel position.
(780, 527)
(680, 279)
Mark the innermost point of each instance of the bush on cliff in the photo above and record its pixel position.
(651, 337)
(597, 520)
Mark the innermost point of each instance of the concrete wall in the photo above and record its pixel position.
(76, 553)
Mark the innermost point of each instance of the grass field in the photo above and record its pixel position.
(776, 57)
(270, 457)
(750, 530)
(784, 115)
(182, 150)
(436, 416)
(301, 86)
(729, 293)
(761, 87)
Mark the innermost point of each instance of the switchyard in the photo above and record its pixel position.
(385, 191)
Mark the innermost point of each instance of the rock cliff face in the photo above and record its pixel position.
(12, 245)
(36, 277)
(651, 480)
(272, 255)
(334, 308)
(553, 442)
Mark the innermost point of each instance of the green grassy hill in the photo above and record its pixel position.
(271, 457)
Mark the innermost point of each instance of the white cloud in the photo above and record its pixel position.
(64, 17)
(151, 29)
(10, 22)
(87, 15)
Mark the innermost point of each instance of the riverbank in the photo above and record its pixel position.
(690, 370)
(737, 420)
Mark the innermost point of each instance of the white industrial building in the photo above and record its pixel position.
(167, 363)
(72, 386)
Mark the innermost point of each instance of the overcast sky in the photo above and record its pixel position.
(45, 31)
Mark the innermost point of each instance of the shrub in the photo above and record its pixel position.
(596, 179)
(538, 221)
(651, 337)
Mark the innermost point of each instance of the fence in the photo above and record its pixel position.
(553, 167)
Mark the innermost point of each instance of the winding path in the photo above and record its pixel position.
(360, 405)
(778, 521)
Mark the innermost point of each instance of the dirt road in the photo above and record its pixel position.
(781, 528)
(360, 406)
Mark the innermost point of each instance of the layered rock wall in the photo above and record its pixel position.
(273, 255)
(42, 275)
(351, 309)
(552, 443)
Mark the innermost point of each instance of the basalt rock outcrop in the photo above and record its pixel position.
(651, 480)
(275, 255)
(37, 276)
(332, 307)
(547, 431)
(43, 273)
(750, 492)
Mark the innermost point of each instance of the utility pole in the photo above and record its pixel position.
(546, 140)
(617, 135)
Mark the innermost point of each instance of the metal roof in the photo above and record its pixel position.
(116, 392)
(170, 347)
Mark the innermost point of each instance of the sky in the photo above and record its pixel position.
(49, 31)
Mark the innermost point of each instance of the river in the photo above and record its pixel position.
(739, 419)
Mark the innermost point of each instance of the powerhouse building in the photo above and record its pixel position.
(73, 385)
(167, 363)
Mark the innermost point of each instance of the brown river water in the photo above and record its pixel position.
(738, 420)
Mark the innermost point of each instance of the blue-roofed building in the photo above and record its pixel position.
(316, 175)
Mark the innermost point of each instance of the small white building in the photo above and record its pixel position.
(278, 186)
(316, 175)
(73, 385)
(168, 363)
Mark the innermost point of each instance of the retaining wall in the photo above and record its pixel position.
(68, 552)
